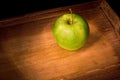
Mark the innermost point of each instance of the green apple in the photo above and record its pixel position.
(71, 31)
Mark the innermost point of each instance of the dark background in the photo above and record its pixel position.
(9, 8)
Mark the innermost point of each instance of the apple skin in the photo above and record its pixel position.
(70, 31)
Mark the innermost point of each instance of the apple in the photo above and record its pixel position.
(71, 31)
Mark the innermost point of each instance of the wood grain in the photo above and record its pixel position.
(28, 50)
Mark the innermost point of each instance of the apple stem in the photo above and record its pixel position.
(72, 15)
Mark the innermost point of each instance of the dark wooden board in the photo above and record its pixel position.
(28, 50)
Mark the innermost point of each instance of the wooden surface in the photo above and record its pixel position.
(28, 50)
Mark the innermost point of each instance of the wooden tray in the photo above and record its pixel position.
(28, 50)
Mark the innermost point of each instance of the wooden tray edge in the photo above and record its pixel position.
(111, 16)
(108, 73)
(40, 15)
